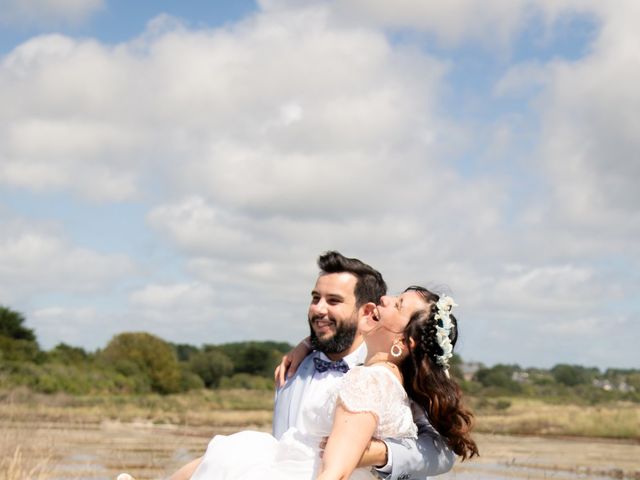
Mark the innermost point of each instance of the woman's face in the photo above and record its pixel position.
(392, 315)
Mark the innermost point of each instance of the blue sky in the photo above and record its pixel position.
(176, 167)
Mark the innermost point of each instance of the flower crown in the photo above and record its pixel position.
(444, 305)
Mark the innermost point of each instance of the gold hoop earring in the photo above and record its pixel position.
(396, 349)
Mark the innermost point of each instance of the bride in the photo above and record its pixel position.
(408, 359)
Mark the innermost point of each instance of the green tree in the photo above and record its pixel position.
(499, 376)
(17, 342)
(184, 351)
(211, 366)
(455, 367)
(254, 358)
(573, 375)
(11, 325)
(68, 354)
(20, 350)
(150, 355)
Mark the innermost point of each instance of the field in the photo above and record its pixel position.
(63, 437)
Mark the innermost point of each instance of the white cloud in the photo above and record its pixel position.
(38, 259)
(198, 313)
(170, 296)
(492, 23)
(47, 12)
(57, 324)
(589, 136)
(212, 110)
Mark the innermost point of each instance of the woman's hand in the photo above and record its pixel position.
(291, 361)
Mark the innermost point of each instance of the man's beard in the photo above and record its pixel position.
(338, 342)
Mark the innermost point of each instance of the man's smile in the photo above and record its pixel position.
(323, 324)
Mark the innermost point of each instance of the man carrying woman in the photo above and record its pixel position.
(398, 417)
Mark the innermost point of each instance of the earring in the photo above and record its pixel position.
(396, 349)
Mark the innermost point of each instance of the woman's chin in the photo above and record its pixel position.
(367, 326)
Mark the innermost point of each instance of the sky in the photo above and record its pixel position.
(177, 167)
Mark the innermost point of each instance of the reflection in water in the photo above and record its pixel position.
(101, 451)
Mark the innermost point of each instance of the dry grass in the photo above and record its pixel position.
(20, 458)
(534, 417)
(253, 409)
(16, 467)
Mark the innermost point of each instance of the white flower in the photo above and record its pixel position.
(446, 303)
(444, 306)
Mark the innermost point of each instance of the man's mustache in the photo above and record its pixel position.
(323, 319)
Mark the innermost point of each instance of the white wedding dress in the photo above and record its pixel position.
(252, 455)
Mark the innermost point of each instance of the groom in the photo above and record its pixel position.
(338, 301)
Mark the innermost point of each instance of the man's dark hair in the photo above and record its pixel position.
(370, 285)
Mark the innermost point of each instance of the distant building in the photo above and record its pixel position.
(603, 384)
(608, 385)
(520, 376)
(469, 369)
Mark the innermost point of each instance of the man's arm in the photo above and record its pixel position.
(424, 457)
(291, 361)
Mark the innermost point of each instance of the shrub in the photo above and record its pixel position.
(210, 366)
(147, 354)
(20, 350)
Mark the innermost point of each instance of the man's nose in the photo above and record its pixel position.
(320, 307)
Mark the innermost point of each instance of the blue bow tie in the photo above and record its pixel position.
(324, 365)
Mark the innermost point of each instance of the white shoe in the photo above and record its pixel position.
(124, 476)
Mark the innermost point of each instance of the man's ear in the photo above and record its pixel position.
(369, 310)
(412, 343)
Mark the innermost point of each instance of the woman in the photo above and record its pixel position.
(410, 340)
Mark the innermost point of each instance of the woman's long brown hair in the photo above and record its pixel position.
(427, 382)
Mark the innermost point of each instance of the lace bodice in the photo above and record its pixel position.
(364, 389)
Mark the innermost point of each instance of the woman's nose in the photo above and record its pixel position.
(385, 300)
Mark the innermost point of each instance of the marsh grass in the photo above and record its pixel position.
(535, 417)
(16, 467)
(18, 461)
(253, 409)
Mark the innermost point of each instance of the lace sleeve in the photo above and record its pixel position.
(375, 389)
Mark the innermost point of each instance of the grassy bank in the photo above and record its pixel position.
(517, 416)
(243, 408)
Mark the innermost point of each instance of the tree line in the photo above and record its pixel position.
(139, 362)
(132, 362)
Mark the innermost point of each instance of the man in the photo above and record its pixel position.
(346, 291)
